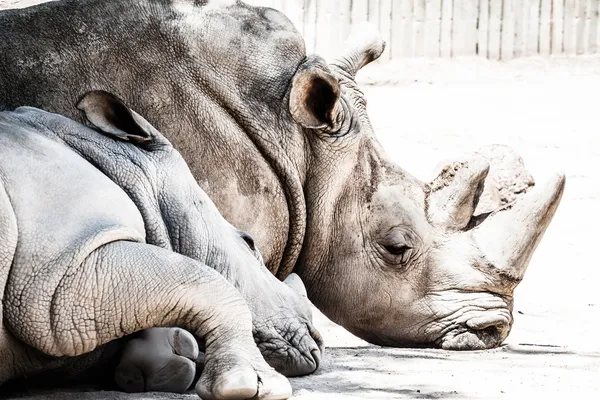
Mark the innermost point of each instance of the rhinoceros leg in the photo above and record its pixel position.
(13, 353)
(166, 359)
(159, 360)
(125, 287)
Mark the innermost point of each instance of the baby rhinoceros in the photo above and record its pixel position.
(107, 235)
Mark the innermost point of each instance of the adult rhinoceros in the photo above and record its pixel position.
(282, 143)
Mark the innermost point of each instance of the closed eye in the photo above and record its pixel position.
(397, 249)
(249, 240)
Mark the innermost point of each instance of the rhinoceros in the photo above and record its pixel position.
(282, 143)
(108, 236)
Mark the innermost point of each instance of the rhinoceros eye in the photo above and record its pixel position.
(397, 249)
(249, 240)
(397, 246)
(398, 254)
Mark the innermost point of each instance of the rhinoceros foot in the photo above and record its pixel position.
(240, 375)
(159, 360)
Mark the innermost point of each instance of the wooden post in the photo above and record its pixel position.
(545, 35)
(446, 28)
(470, 15)
(433, 9)
(508, 30)
(483, 28)
(419, 28)
(558, 14)
(398, 29)
(570, 27)
(583, 26)
(408, 36)
(385, 27)
(533, 28)
(495, 29)
(594, 32)
(458, 28)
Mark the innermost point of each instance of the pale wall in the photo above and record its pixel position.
(496, 29)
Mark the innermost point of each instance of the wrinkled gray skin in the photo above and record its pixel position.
(282, 143)
(87, 222)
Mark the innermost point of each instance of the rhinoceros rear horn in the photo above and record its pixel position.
(509, 236)
(314, 96)
(364, 45)
(109, 114)
(455, 192)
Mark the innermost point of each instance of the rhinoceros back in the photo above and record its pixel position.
(64, 208)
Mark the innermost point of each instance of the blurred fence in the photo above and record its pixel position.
(496, 29)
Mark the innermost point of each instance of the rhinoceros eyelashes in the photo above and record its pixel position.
(399, 254)
(249, 240)
(397, 246)
(397, 249)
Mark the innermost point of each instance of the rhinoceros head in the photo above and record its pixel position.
(394, 260)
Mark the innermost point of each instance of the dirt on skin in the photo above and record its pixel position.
(428, 110)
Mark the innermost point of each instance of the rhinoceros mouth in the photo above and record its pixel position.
(470, 339)
(479, 333)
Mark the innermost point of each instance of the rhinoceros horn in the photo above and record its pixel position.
(506, 237)
(455, 192)
(509, 236)
(364, 45)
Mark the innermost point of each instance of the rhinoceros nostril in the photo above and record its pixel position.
(490, 331)
(489, 320)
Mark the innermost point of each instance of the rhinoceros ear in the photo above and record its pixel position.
(295, 283)
(108, 113)
(314, 96)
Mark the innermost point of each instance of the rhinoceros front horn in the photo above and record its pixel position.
(455, 191)
(509, 236)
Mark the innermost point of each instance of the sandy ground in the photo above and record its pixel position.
(428, 110)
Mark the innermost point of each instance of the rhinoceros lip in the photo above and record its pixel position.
(475, 336)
